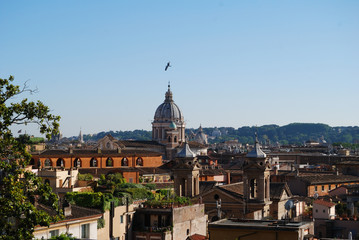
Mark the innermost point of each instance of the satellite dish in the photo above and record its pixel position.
(316, 195)
(289, 205)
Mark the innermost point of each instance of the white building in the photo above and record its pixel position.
(79, 221)
(323, 209)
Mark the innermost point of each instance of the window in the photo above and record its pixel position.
(131, 180)
(93, 162)
(139, 162)
(121, 219)
(323, 211)
(316, 188)
(316, 210)
(109, 162)
(77, 162)
(85, 231)
(124, 162)
(322, 188)
(48, 162)
(330, 187)
(54, 233)
(60, 162)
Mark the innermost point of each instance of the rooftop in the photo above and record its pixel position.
(259, 224)
(320, 179)
(324, 203)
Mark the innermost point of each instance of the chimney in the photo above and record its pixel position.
(67, 209)
(228, 178)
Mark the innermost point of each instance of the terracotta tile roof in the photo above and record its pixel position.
(95, 153)
(212, 172)
(96, 172)
(206, 186)
(193, 144)
(196, 237)
(77, 212)
(324, 203)
(277, 188)
(235, 189)
(321, 179)
(129, 143)
(153, 170)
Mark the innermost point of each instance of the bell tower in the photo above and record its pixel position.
(256, 181)
(186, 173)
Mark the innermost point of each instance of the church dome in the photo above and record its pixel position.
(173, 126)
(168, 110)
(201, 137)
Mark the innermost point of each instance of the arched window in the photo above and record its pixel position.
(108, 145)
(169, 138)
(109, 162)
(77, 162)
(60, 162)
(139, 162)
(253, 188)
(175, 139)
(48, 162)
(124, 162)
(93, 162)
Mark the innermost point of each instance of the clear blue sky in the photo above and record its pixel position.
(100, 64)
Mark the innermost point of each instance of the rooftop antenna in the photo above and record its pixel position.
(288, 206)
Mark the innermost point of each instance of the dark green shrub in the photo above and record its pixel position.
(85, 177)
(100, 223)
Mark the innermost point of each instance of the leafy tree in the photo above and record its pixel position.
(63, 236)
(19, 189)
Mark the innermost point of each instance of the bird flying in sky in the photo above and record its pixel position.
(167, 66)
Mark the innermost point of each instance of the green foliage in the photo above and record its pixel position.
(85, 177)
(19, 188)
(294, 133)
(139, 193)
(63, 236)
(110, 181)
(96, 200)
(86, 199)
(116, 185)
(100, 223)
(136, 134)
(150, 186)
(182, 200)
(36, 140)
(341, 209)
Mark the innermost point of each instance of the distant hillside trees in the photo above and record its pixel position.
(294, 133)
